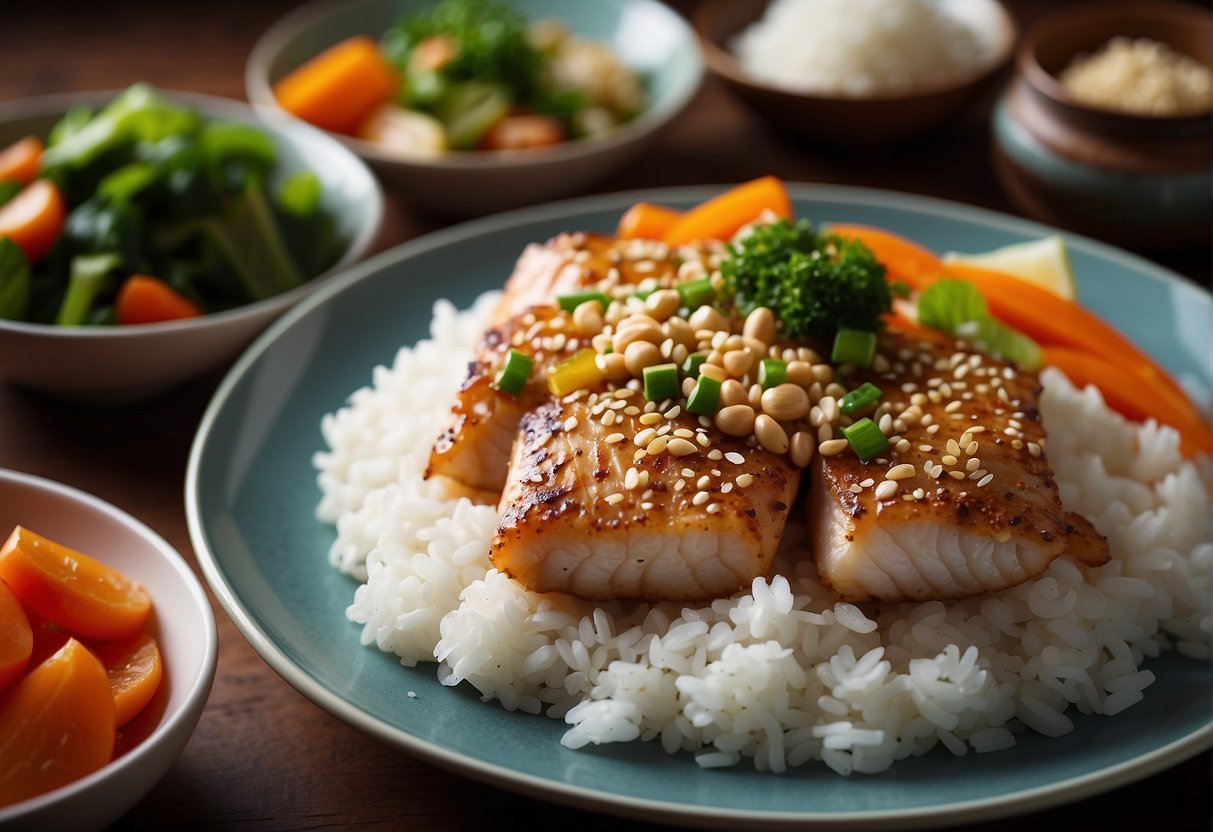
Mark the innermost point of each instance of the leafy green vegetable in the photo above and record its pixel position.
(9, 189)
(90, 276)
(814, 283)
(154, 188)
(491, 39)
(14, 281)
(958, 308)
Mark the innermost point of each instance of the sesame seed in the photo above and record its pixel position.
(932, 429)
(918, 494)
(570, 423)
(673, 412)
(948, 459)
(953, 447)
(639, 455)
(926, 449)
(650, 418)
(984, 481)
(703, 482)
(714, 454)
(902, 446)
(647, 506)
(684, 433)
(973, 464)
(608, 418)
(734, 457)
(657, 446)
(971, 448)
(679, 485)
(745, 480)
(613, 438)
(854, 489)
(632, 410)
(886, 490)
(700, 498)
(726, 488)
(614, 499)
(956, 475)
(900, 472)
(664, 429)
(1034, 449)
(978, 474)
(1017, 444)
(645, 437)
(704, 440)
(713, 508)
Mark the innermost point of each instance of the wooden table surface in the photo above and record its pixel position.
(263, 756)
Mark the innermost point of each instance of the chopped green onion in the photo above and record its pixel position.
(705, 398)
(866, 439)
(899, 288)
(514, 372)
(854, 346)
(859, 398)
(572, 300)
(695, 293)
(772, 372)
(660, 382)
(694, 361)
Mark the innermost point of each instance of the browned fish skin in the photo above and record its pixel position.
(588, 512)
(977, 510)
(474, 449)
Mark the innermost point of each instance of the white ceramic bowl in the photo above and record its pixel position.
(119, 364)
(181, 622)
(647, 35)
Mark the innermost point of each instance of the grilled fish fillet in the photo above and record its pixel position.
(963, 503)
(474, 449)
(589, 511)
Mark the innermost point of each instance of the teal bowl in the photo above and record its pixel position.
(648, 36)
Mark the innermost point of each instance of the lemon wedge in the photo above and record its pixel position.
(1044, 262)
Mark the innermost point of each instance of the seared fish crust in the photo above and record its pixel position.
(964, 502)
(589, 512)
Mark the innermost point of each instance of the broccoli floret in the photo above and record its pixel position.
(813, 282)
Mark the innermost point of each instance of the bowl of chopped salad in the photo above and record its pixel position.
(147, 236)
(467, 107)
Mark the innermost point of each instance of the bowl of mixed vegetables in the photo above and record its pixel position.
(471, 106)
(147, 236)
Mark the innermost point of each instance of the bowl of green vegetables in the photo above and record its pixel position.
(466, 107)
(147, 236)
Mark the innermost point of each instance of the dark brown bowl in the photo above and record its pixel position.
(851, 121)
(1141, 181)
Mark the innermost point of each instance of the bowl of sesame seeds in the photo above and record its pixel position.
(1105, 128)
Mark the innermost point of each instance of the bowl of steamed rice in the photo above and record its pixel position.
(862, 74)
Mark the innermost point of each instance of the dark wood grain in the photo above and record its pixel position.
(264, 757)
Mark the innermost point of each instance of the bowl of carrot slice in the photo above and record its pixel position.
(107, 655)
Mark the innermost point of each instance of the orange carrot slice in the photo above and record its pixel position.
(721, 217)
(72, 590)
(56, 725)
(339, 88)
(145, 300)
(903, 259)
(34, 218)
(646, 221)
(19, 162)
(134, 669)
(16, 637)
(1137, 397)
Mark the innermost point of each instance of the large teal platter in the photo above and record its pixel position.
(251, 493)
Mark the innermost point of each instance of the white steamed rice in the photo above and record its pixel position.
(784, 674)
(865, 47)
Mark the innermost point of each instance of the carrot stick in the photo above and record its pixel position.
(1135, 396)
(56, 725)
(721, 217)
(339, 88)
(646, 221)
(145, 300)
(34, 218)
(903, 259)
(1052, 320)
(16, 637)
(19, 161)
